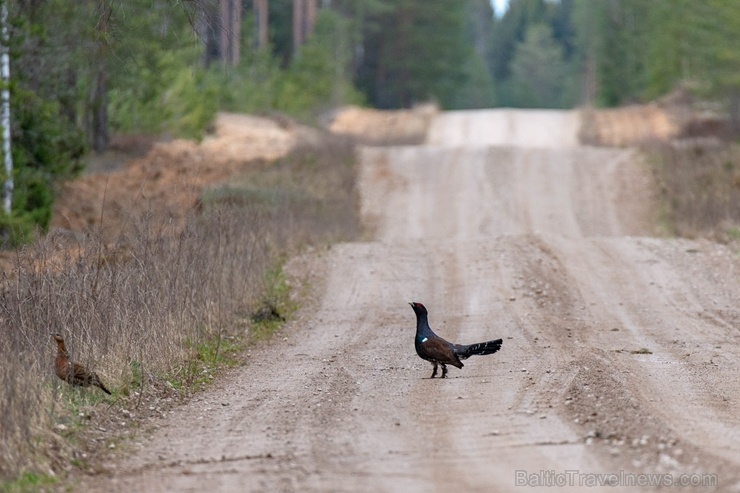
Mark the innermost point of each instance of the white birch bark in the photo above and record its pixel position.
(5, 111)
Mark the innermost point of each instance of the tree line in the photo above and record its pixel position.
(612, 52)
(85, 69)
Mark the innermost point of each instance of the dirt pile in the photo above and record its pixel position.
(627, 126)
(676, 115)
(384, 127)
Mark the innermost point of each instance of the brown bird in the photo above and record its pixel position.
(74, 373)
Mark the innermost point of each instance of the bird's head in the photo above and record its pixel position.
(57, 337)
(418, 308)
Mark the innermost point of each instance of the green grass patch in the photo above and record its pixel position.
(209, 356)
(135, 379)
(219, 351)
(734, 233)
(274, 308)
(28, 482)
(77, 400)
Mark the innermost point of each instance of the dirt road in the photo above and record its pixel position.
(620, 349)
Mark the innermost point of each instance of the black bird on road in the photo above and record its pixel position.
(437, 351)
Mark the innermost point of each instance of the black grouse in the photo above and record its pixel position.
(437, 351)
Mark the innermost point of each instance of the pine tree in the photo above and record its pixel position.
(538, 70)
(419, 54)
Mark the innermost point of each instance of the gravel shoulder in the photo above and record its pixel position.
(620, 347)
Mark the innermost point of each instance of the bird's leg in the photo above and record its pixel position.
(444, 371)
(434, 372)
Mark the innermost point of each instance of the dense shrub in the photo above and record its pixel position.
(44, 149)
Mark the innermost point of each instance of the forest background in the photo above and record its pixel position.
(85, 70)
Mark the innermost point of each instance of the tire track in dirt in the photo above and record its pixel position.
(640, 296)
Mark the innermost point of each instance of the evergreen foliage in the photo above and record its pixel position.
(533, 55)
(643, 50)
(420, 53)
(538, 70)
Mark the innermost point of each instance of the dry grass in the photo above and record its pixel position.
(627, 126)
(384, 127)
(700, 186)
(154, 311)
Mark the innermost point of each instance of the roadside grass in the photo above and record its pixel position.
(275, 307)
(206, 357)
(699, 184)
(28, 482)
(160, 312)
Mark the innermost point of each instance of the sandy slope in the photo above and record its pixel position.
(504, 227)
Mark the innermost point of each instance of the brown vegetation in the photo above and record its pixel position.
(167, 181)
(154, 302)
(699, 182)
(627, 126)
(384, 127)
(678, 115)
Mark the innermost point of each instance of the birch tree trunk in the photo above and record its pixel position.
(5, 112)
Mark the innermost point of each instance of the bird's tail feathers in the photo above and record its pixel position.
(482, 348)
(95, 380)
